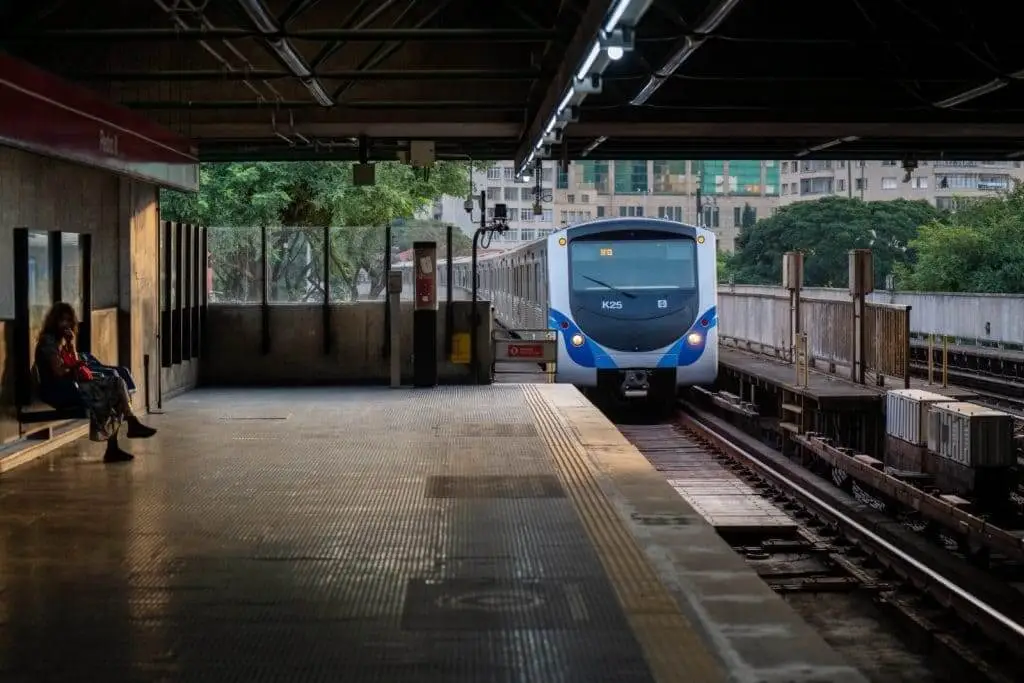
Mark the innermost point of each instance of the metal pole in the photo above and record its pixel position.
(449, 323)
(326, 311)
(395, 337)
(387, 308)
(931, 357)
(945, 362)
(265, 294)
(474, 317)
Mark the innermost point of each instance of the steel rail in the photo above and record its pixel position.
(851, 524)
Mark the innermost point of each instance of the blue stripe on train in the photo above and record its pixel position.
(590, 355)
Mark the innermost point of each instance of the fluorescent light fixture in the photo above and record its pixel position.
(259, 15)
(973, 93)
(588, 63)
(551, 124)
(613, 19)
(615, 53)
(565, 101)
(291, 59)
(318, 93)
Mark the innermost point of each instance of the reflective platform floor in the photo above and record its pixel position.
(448, 534)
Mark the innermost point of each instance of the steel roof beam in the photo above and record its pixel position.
(491, 35)
(348, 75)
(462, 105)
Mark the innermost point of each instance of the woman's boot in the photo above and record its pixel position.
(137, 430)
(114, 452)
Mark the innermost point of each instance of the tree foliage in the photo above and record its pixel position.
(977, 248)
(237, 199)
(825, 230)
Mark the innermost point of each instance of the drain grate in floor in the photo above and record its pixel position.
(500, 604)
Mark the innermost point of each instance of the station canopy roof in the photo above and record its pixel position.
(301, 79)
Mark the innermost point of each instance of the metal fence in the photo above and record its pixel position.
(759, 319)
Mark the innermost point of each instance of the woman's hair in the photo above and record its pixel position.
(53, 317)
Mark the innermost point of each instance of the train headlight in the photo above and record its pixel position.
(577, 340)
(694, 338)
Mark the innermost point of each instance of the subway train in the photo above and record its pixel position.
(633, 301)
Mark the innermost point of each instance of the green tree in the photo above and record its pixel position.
(977, 248)
(825, 230)
(724, 266)
(237, 199)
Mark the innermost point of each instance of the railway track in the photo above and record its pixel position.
(809, 541)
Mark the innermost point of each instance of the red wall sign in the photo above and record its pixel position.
(526, 350)
(41, 113)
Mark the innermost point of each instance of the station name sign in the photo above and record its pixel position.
(44, 114)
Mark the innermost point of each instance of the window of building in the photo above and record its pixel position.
(508, 172)
(670, 177)
(840, 184)
(737, 216)
(785, 167)
(600, 212)
(526, 194)
(585, 198)
(811, 186)
(711, 216)
(494, 173)
(889, 183)
(888, 163)
(592, 175)
(672, 213)
(571, 198)
(919, 182)
(563, 180)
(745, 177)
(512, 213)
(711, 175)
(630, 177)
(622, 211)
(549, 215)
(494, 193)
(565, 217)
(860, 184)
(511, 194)
(526, 214)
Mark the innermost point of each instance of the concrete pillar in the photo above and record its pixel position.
(139, 271)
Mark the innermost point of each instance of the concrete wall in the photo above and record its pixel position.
(962, 316)
(296, 344)
(122, 215)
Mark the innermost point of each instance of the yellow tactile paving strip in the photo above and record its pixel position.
(674, 651)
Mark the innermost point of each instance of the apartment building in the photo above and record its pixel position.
(731, 192)
(939, 182)
(501, 187)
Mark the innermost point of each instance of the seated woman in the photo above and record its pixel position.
(67, 382)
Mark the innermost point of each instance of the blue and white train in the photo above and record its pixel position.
(633, 301)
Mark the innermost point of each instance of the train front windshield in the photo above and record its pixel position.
(634, 266)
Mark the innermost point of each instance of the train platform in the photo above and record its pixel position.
(473, 533)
